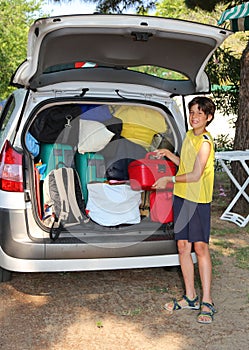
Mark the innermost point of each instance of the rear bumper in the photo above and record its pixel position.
(22, 265)
(20, 253)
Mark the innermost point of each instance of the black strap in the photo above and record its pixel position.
(54, 232)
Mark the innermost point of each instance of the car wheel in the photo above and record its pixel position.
(5, 275)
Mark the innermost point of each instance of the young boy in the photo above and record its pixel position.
(193, 189)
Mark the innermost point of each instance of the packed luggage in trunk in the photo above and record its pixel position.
(94, 165)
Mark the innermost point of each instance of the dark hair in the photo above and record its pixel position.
(205, 104)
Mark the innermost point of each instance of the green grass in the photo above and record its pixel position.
(132, 312)
(99, 324)
(158, 289)
(223, 232)
(216, 262)
(242, 257)
(223, 244)
(227, 238)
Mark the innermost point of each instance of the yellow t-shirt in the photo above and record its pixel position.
(201, 191)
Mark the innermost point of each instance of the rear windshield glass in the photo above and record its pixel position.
(150, 70)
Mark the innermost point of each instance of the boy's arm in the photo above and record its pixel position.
(194, 175)
(166, 153)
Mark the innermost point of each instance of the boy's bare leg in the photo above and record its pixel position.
(205, 271)
(187, 267)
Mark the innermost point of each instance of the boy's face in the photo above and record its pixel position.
(197, 118)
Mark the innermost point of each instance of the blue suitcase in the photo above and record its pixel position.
(91, 168)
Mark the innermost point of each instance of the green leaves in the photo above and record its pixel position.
(15, 19)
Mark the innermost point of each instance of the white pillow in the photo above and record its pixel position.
(93, 136)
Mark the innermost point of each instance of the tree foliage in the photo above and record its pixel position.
(224, 72)
(211, 4)
(143, 6)
(240, 96)
(223, 68)
(117, 6)
(15, 19)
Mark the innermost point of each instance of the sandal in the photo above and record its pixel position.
(191, 304)
(209, 315)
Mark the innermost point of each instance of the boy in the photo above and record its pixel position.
(193, 189)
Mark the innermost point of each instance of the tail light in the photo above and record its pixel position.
(11, 174)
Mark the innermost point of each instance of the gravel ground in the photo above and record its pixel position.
(121, 310)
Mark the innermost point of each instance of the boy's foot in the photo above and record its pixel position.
(206, 314)
(184, 303)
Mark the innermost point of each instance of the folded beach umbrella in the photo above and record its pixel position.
(238, 17)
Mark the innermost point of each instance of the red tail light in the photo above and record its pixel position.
(11, 175)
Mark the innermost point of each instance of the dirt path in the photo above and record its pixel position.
(120, 310)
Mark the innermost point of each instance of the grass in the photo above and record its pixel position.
(224, 244)
(242, 257)
(216, 262)
(132, 312)
(227, 238)
(99, 324)
(222, 232)
(158, 289)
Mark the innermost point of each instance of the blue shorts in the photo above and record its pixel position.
(191, 220)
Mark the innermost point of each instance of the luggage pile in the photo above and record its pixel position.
(92, 162)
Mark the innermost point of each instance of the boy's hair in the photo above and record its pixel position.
(205, 104)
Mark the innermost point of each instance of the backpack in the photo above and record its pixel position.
(64, 205)
(57, 124)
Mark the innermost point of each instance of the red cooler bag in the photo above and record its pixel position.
(144, 172)
(161, 203)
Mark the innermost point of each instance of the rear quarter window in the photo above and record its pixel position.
(6, 118)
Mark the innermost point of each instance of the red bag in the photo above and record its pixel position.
(161, 206)
(37, 192)
(144, 172)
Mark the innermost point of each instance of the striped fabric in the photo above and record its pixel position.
(238, 16)
(240, 24)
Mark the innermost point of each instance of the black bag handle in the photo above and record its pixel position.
(55, 232)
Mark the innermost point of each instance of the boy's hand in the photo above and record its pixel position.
(161, 183)
(161, 153)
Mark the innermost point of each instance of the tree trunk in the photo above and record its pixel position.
(241, 140)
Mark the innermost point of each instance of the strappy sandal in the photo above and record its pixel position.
(191, 304)
(209, 315)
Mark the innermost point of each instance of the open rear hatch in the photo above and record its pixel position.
(119, 43)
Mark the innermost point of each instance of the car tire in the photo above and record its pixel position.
(5, 275)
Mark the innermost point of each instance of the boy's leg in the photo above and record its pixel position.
(183, 213)
(205, 271)
(187, 267)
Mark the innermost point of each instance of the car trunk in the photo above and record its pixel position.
(102, 143)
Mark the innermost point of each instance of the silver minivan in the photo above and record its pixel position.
(111, 81)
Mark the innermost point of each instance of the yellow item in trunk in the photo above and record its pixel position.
(140, 124)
